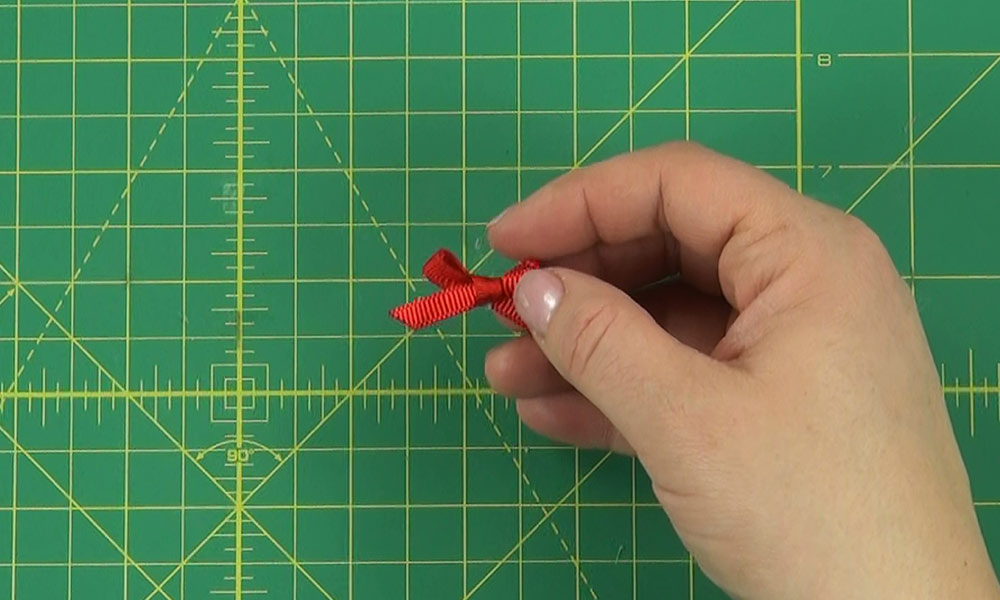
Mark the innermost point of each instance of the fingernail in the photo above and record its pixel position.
(497, 218)
(536, 297)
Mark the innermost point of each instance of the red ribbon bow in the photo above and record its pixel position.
(461, 291)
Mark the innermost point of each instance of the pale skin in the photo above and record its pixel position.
(780, 392)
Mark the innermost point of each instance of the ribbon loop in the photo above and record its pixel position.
(444, 270)
(461, 291)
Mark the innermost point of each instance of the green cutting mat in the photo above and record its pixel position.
(207, 208)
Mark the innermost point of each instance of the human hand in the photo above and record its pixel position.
(780, 393)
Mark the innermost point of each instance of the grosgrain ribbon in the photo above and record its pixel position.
(461, 291)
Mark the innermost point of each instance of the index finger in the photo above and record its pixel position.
(693, 196)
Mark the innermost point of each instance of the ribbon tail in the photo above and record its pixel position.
(426, 311)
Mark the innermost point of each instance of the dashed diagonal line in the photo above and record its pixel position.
(909, 151)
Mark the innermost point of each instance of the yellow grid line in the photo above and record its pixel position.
(280, 390)
(747, 109)
(798, 97)
(487, 57)
(184, 330)
(464, 318)
(17, 303)
(934, 54)
(387, 2)
(579, 574)
(690, 569)
(169, 394)
(406, 294)
(72, 318)
(687, 71)
(13, 508)
(520, 425)
(127, 198)
(631, 147)
(909, 128)
(239, 316)
(296, 16)
(341, 506)
(687, 136)
(350, 272)
(542, 169)
(324, 563)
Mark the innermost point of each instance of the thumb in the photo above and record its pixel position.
(612, 351)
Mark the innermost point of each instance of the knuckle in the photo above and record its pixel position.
(755, 259)
(589, 332)
(861, 235)
(868, 247)
(610, 438)
(682, 151)
(681, 147)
